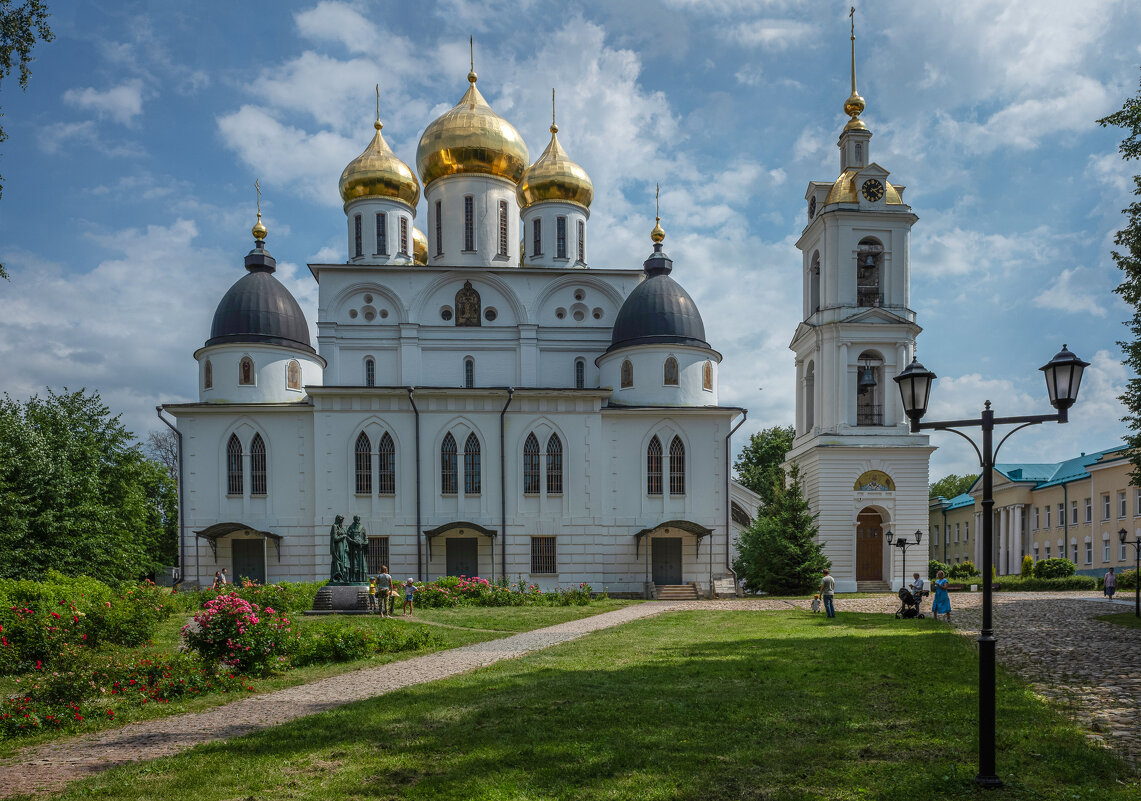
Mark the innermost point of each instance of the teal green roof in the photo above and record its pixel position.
(1050, 475)
(959, 501)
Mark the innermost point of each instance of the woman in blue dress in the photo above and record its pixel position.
(942, 603)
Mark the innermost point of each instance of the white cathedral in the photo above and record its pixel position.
(490, 404)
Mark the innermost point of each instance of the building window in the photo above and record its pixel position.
(293, 375)
(677, 467)
(207, 375)
(1137, 502)
(1105, 506)
(707, 376)
(357, 246)
(246, 371)
(439, 229)
(1035, 518)
(1074, 512)
(403, 236)
(869, 260)
(469, 223)
(536, 237)
(935, 534)
(257, 466)
(579, 373)
(1046, 550)
(554, 465)
(1035, 552)
(560, 237)
(543, 556)
(1121, 556)
(654, 467)
(1105, 544)
(1062, 515)
(386, 455)
(531, 465)
(234, 466)
(957, 532)
(503, 228)
(669, 377)
(1046, 509)
(472, 481)
(966, 531)
(381, 233)
(582, 241)
(370, 372)
(1075, 559)
(377, 554)
(859, 154)
(1089, 511)
(1089, 553)
(1122, 505)
(364, 465)
(627, 374)
(469, 372)
(448, 466)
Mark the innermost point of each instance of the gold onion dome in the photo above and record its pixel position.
(554, 176)
(377, 172)
(419, 246)
(657, 234)
(471, 139)
(259, 230)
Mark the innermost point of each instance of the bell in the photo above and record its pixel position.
(867, 380)
(869, 260)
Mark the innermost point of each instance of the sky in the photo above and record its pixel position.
(131, 160)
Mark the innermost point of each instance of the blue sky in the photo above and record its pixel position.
(130, 166)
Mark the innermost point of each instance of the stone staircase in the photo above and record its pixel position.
(873, 586)
(676, 592)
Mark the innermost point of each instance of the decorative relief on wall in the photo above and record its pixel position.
(467, 306)
(874, 481)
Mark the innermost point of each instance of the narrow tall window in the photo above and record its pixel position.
(382, 233)
(582, 241)
(234, 484)
(207, 375)
(469, 223)
(554, 465)
(364, 465)
(707, 376)
(403, 236)
(439, 228)
(677, 467)
(386, 456)
(536, 237)
(531, 465)
(246, 371)
(293, 375)
(377, 554)
(627, 374)
(670, 373)
(654, 467)
(370, 372)
(503, 228)
(357, 235)
(543, 555)
(469, 372)
(257, 466)
(472, 481)
(560, 237)
(859, 154)
(448, 466)
(579, 373)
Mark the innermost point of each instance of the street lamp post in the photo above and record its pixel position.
(1063, 376)
(903, 545)
(1137, 578)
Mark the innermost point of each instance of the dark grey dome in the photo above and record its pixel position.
(258, 309)
(658, 311)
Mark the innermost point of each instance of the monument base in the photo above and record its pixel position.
(341, 598)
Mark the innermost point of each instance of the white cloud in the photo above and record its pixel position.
(1075, 290)
(56, 136)
(121, 103)
(771, 34)
(340, 23)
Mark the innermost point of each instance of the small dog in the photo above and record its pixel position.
(816, 602)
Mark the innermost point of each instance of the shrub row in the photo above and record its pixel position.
(452, 591)
(1019, 584)
(288, 596)
(956, 572)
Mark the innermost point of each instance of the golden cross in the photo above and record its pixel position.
(657, 211)
(471, 46)
(552, 105)
(257, 187)
(378, 102)
(852, 15)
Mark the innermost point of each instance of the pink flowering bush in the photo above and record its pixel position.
(240, 635)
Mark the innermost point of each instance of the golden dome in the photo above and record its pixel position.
(554, 176)
(846, 191)
(658, 234)
(419, 246)
(471, 139)
(259, 231)
(377, 172)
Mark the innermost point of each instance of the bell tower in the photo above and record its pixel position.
(863, 472)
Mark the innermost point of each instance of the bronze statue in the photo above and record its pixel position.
(358, 550)
(339, 550)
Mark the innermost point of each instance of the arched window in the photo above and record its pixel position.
(579, 373)
(472, 482)
(677, 467)
(536, 237)
(531, 465)
(654, 467)
(386, 454)
(370, 372)
(670, 377)
(293, 374)
(560, 237)
(234, 484)
(469, 223)
(246, 371)
(582, 241)
(381, 233)
(467, 306)
(469, 372)
(869, 389)
(439, 229)
(403, 235)
(814, 284)
(554, 465)
(448, 467)
(869, 263)
(627, 374)
(257, 466)
(364, 465)
(707, 375)
(357, 245)
(503, 228)
(207, 375)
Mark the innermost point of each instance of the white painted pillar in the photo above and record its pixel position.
(1016, 558)
(1003, 533)
(842, 387)
(978, 550)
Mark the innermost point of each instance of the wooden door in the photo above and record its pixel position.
(462, 556)
(248, 557)
(869, 546)
(666, 560)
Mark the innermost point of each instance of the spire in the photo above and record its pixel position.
(377, 125)
(854, 105)
(258, 260)
(658, 263)
(554, 127)
(657, 234)
(259, 231)
(471, 76)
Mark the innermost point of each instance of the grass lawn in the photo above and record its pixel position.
(687, 705)
(1127, 619)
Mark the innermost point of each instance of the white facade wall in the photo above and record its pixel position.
(649, 387)
(486, 192)
(271, 363)
(548, 213)
(368, 208)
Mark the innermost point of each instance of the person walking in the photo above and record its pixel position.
(942, 603)
(1110, 583)
(383, 588)
(225, 578)
(217, 585)
(827, 593)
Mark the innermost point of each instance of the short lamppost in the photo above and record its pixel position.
(1136, 578)
(1063, 377)
(903, 545)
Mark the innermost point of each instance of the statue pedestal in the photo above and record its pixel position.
(341, 598)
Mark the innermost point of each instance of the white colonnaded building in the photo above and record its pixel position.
(482, 398)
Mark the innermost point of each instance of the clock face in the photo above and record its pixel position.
(812, 208)
(872, 189)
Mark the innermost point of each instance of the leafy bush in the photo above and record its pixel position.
(1127, 580)
(1027, 566)
(934, 566)
(1054, 568)
(287, 596)
(963, 570)
(240, 635)
(1019, 584)
(453, 591)
(338, 640)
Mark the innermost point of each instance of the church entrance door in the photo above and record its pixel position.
(462, 556)
(869, 546)
(248, 557)
(666, 560)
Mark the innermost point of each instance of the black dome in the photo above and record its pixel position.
(658, 311)
(258, 309)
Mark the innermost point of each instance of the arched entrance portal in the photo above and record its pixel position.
(869, 545)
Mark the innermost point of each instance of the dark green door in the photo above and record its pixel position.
(248, 557)
(462, 558)
(666, 560)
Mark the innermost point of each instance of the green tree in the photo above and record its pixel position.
(1128, 259)
(950, 486)
(758, 466)
(76, 493)
(778, 553)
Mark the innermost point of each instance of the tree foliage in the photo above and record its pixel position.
(758, 466)
(951, 485)
(1128, 259)
(778, 553)
(76, 493)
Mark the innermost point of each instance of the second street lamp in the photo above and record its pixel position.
(903, 545)
(1137, 574)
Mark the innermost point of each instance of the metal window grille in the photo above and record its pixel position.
(377, 554)
(469, 223)
(670, 377)
(469, 373)
(560, 237)
(439, 228)
(677, 467)
(472, 481)
(357, 238)
(654, 467)
(369, 372)
(869, 415)
(364, 465)
(257, 466)
(537, 237)
(234, 466)
(543, 555)
(403, 236)
(581, 241)
(386, 455)
(579, 374)
(627, 374)
(503, 228)
(554, 465)
(448, 465)
(382, 233)
(531, 465)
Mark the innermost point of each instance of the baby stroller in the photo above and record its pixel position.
(909, 606)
